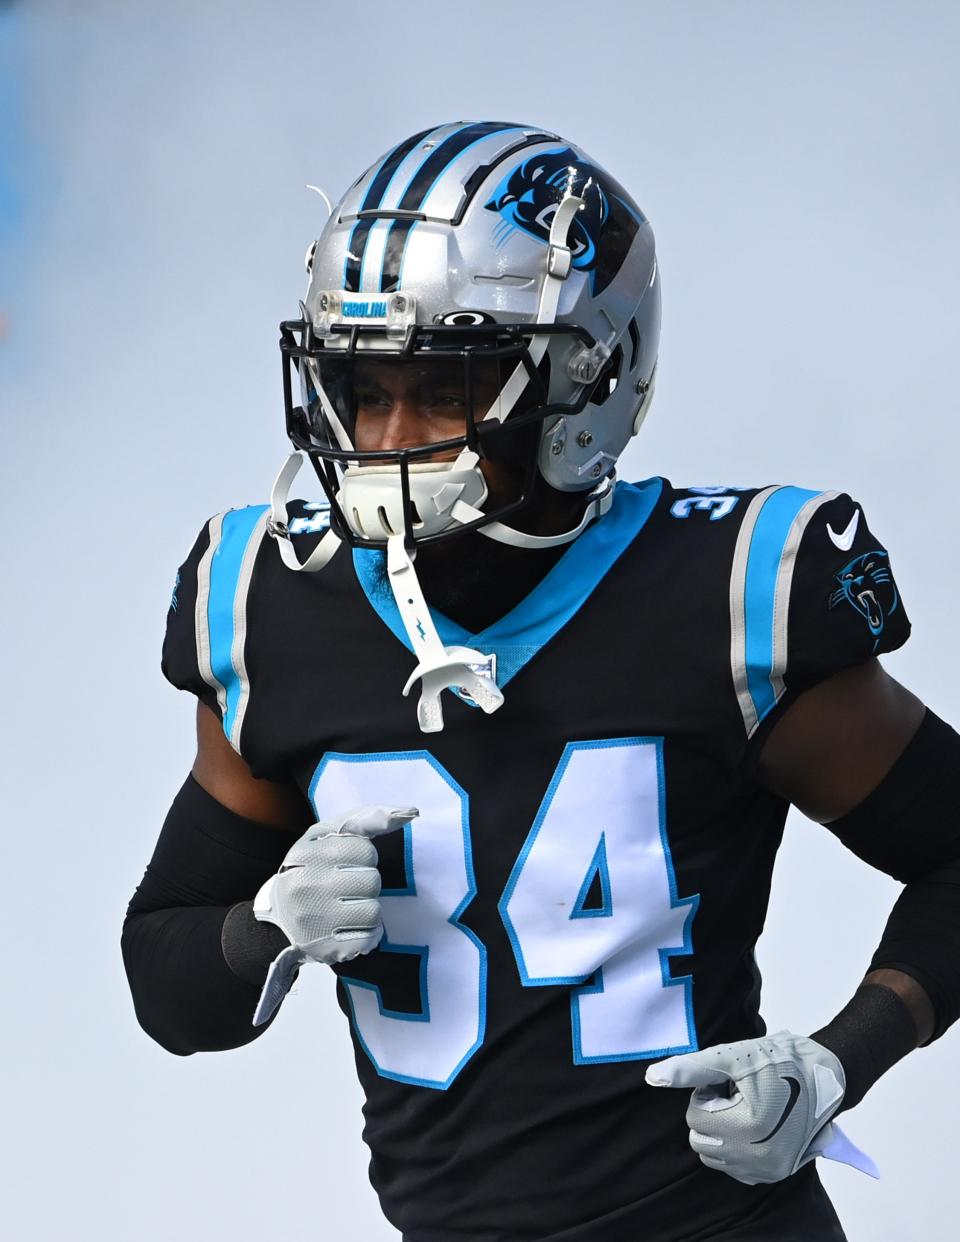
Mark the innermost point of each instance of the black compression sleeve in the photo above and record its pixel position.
(869, 1035)
(207, 860)
(921, 939)
(909, 827)
(910, 824)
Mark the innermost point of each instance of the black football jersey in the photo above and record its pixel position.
(584, 886)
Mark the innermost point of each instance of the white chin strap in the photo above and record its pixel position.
(598, 502)
(277, 522)
(559, 264)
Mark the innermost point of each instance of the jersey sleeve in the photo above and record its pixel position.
(812, 592)
(183, 661)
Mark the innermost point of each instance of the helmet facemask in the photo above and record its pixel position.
(479, 395)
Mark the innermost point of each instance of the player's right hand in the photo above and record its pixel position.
(325, 897)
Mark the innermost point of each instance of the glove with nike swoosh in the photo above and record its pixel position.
(761, 1108)
(325, 897)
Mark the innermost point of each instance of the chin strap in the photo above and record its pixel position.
(277, 522)
(439, 668)
(559, 263)
(598, 503)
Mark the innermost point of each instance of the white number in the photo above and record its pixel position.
(601, 828)
(601, 825)
(430, 1048)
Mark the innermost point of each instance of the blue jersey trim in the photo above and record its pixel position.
(767, 545)
(225, 568)
(517, 637)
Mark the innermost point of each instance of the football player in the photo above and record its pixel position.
(509, 743)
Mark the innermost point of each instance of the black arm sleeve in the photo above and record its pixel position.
(868, 1036)
(909, 827)
(207, 860)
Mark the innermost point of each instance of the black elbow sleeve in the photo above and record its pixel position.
(206, 860)
(909, 827)
(922, 938)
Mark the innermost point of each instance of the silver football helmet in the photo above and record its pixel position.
(496, 280)
(503, 251)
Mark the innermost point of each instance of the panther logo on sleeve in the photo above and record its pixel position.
(867, 585)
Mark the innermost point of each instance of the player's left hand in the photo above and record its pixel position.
(758, 1105)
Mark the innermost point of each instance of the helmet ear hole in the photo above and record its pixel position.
(634, 333)
(608, 379)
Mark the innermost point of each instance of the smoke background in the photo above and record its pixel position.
(799, 164)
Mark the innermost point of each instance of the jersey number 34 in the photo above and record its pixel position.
(591, 903)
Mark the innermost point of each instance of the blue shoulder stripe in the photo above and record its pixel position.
(760, 583)
(230, 569)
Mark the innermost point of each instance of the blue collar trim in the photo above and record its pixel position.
(517, 637)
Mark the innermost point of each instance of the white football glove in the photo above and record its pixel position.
(761, 1108)
(325, 897)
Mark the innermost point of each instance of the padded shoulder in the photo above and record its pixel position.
(203, 650)
(811, 592)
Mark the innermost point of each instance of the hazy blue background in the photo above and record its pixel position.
(800, 165)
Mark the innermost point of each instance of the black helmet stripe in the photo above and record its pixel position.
(393, 254)
(420, 186)
(442, 156)
(375, 192)
(389, 166)
(480, 174)
(355, 248)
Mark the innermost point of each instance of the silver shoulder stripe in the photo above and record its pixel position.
(738, 602)
(781, 602)
(201, 616)
(238, 650)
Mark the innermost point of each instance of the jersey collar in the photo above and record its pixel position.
(517, 637)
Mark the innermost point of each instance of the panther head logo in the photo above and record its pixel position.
(603, 229)
(866, 583)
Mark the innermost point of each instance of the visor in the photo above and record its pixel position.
(370, 399)
(375, 402)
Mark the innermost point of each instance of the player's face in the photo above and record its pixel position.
(406, 404)
(410, 403)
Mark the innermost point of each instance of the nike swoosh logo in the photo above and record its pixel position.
(844, 541)
(794, 1096)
